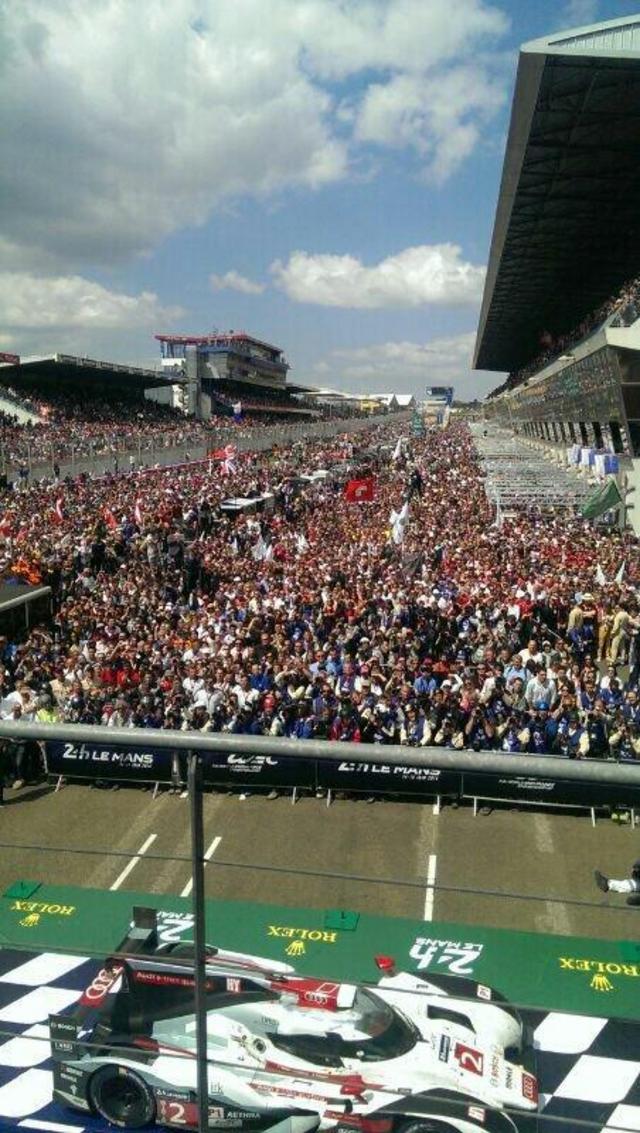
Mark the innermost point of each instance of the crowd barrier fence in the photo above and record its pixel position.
(164, 450)
(151, 756)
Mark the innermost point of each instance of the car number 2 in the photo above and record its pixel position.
(176, 1113)
(470, 1060)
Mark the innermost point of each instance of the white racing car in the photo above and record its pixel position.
(288, 1053)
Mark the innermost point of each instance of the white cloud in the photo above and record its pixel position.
(70, 301)
(439, 116)
(342, 39)
(416, 276)
(234, 281)
(409, 367)
(125, 122)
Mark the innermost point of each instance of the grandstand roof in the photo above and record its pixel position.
(567, 227)
(65, 367)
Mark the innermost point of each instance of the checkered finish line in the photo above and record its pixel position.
(588, 1068)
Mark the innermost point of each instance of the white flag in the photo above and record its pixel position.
(397, 452)
(399, 522)
(259, 550)
(620, 574)
(600, 576)
(301, 543)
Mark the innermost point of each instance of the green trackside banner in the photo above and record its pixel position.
(562, 973)
(603, 499)
(417, 425)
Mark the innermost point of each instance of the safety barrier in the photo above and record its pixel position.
(260, 762)
(163, 450)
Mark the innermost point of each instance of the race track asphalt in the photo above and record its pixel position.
(351, 855)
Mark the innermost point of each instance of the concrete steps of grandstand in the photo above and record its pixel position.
(25, 416)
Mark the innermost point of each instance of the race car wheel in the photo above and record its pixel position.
(122, 1097)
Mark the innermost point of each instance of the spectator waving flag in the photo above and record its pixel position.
(398, 520)
(360, 491)
(5, 525)
(110, 518)
(58, 513)
(137, 513)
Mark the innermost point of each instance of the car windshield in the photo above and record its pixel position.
(370, 1030)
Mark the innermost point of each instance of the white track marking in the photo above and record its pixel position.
(134, 861)
(553, 916)
(430, 893)
(186, 892)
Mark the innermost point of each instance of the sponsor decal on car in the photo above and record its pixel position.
(469, 1059)
(100, 986)
(477, 1113)
(168, 979)
(529, 1087)
(444, 1049)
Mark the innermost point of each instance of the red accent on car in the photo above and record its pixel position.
(145, 1043)
(365, 1124)
(386, 964)
(529, 1087)
(353, 1085)
(309, 992)
(469, 1059)
(100, 986)
(167, 979)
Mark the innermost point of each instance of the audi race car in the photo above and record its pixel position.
(290, 1054)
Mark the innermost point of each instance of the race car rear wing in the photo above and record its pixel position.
(142, 936)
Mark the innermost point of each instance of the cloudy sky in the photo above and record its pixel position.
(320, 173)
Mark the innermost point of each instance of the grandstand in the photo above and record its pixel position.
(559, 312)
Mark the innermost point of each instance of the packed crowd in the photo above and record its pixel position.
(404, 620)
(95, 427)
(91, 427)
(626, 304)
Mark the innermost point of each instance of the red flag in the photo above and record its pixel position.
(110, 518)
(58, 514)
(359, 491)
(229, 452)
(5, 525)
(137, 513)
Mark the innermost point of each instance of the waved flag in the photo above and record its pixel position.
(398, 520)
(359, 491)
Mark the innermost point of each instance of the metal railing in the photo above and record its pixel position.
(164, 450)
